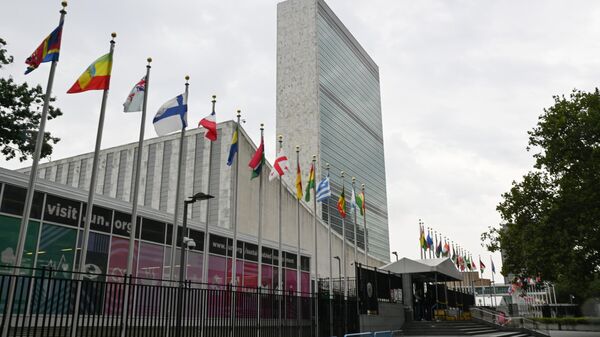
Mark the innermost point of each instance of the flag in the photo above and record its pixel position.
(95, 77)
(323, 190)
(210, 124)
(422, 240)
(493, 267)
(135, 99)
(453, 254)
(468, 263)
(171, 116)
(298, 182)
(47, 51)
(481, 266)
(353, 200)
(257, 159)
(341, 204)
(311, 182)
(360, 201)
(233, 148)
(429, 240)
(280, 166)
(473, 265)
(446, 249)
(438, 249)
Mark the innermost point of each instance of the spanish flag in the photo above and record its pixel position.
(95, 77)
(341, 204)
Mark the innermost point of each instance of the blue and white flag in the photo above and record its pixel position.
(353, 200)
(171, 116)
(323, 190)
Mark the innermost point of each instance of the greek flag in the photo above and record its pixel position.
(323, 190)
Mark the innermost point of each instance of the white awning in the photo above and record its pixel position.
(442, 269)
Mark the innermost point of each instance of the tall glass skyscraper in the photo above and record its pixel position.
(328, 102)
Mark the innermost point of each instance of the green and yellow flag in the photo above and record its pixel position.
(311, 182)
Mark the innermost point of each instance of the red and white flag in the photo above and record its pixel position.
(210, 124)
(280, 166)
(136, 97)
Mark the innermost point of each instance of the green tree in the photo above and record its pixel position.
(20, 113)
(551, 218)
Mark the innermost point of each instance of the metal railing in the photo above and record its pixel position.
(503, 321)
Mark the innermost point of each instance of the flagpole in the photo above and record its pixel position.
(279, 246)
(330, 258)
(298, 228)
(260, 220)
(136, 185)
(32, 180)
(429, 231)
(344, 243)
(421, 231)
(493, 280)
(355, 226)
(298, 274)
(206, 231)
(235, 219)
(316, 270)
(178, 196)
(235, 232)
(365, 234)
(90, 202)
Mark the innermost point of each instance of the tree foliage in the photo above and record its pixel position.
(551, 218)
(20, 114)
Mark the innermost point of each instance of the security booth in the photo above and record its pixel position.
(431, 288)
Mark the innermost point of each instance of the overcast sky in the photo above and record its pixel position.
(461, 84)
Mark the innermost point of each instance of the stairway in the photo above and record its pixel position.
(457, 328)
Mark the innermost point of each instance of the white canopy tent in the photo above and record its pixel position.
(440, 270)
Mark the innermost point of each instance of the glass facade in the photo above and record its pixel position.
(55, 234)
(351, 131)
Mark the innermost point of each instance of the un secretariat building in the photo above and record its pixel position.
(327, 100)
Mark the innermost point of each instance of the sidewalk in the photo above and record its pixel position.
(562, 333)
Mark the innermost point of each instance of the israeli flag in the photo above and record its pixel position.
(171, 116)
(323, 190)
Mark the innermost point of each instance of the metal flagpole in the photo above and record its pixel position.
(235, 215)
(234, 225)
(298, 228)
(39, 142)
(345, 279)
(206, 232)
(298, 259)
(353, 202)
(178, 194)
(315, 289)
(429, 231)
(280, 260)
(493, 281)
(90, 203)
(330, 231)
(421, 231)
(136, 186)
(260, 216)
(365, 234)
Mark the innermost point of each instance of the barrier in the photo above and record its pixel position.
(387, 333)
(359, 334)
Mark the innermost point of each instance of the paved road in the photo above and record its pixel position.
(559, 333)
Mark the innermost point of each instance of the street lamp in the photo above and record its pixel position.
(186, 242)
(396, 254)
(339, 266)
(196, 197)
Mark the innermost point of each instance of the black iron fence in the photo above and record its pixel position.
(44, 303)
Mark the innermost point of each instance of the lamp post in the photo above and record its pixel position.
(339, 266)
(395, 254)
(185, 241)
